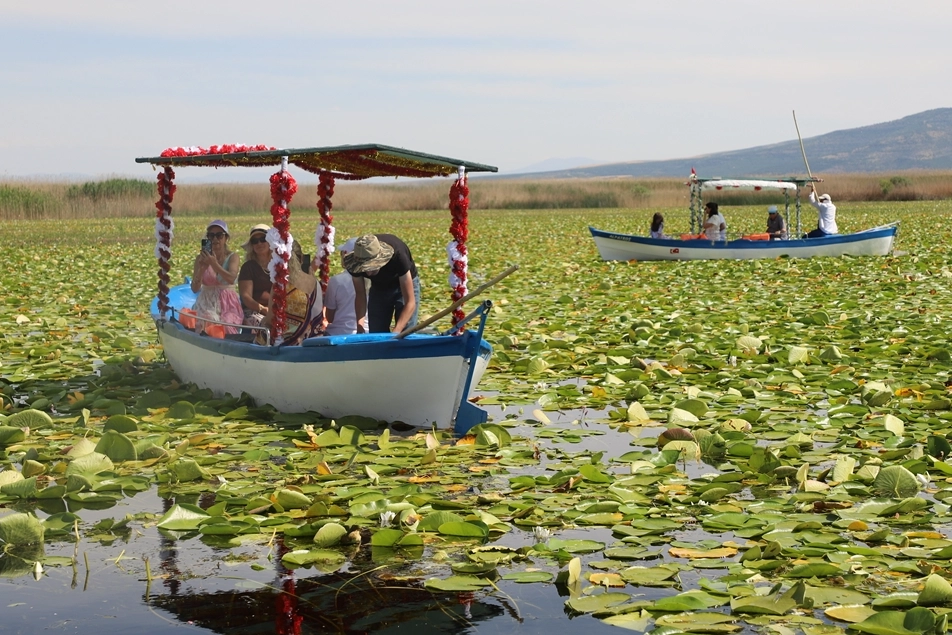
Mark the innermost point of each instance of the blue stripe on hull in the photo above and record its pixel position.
(338, 348)
(334, 348)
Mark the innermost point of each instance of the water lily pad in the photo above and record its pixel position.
(292, 499)
(116, 446)
(593, 603)
(914, 621)
(89, 465)
(683, 418)
(324, 559)
(525, 577)
(183, 517)
(10, 435)
(936, 592)
(30, 418)
(762, 605)
(19, 530)
(464, 529)
(575, 546)
(897, 481)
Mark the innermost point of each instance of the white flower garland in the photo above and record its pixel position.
(322, 249)
(162, 250)
(278, 249)
(455, 256)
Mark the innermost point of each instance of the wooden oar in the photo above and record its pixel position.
(472, 294)
(802, 151)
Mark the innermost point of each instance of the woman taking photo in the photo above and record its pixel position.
(213, 278)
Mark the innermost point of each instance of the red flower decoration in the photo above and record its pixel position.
(163, 224)
(325, 190)
(459, 229)
(228, 148)
(283, 189)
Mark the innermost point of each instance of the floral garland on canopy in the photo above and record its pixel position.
(456, 249)
(164, 229)
(227, 148)
(324, 236)
(283, 188)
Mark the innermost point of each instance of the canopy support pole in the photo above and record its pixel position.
(283, 188)
(324, 238)
(164, 228)
(456, 250)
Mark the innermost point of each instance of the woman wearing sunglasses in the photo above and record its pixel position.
(213, 278)
(254, 281)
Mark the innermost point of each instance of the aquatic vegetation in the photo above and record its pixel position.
(756, 443)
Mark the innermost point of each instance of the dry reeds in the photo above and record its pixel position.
(112, 198)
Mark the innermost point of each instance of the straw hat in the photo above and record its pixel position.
(260, 227)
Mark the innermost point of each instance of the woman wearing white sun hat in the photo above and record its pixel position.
(213, 278)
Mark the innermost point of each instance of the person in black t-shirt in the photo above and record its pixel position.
(394, 299)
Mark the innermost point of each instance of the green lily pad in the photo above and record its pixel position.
(936, 592)
(183, 517)
(594, 603)
(896, 481)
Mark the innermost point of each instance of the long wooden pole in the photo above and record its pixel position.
(802, 151)
(472, 294)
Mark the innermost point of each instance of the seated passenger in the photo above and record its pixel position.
(254, 281)
(213, 278)
(657, 226)
(715, 227)
(776, 228)
(304, 310)
(339, 300)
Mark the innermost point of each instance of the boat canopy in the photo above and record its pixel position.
(788, 186)
(351, 162)
(348, 163)
(746, 185)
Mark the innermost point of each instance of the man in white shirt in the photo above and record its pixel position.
(826, 223)
(339, 299)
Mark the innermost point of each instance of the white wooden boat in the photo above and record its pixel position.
(877, 241)
(419, 379)
(871, 242)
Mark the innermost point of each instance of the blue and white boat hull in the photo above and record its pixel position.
(616, 246)
(420, 380)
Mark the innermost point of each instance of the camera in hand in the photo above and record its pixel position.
(306, 263)
(207, 245)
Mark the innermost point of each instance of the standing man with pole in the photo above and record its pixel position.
(826, 223)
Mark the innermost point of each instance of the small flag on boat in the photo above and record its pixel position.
(693, 173)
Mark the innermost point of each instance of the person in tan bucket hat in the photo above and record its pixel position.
(394, 298)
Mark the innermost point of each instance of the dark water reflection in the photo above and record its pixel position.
(199, 587)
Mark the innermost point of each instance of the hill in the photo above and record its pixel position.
(921, 141)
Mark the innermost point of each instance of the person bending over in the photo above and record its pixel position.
(394, 298)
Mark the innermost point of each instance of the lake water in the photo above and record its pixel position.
(201, 587)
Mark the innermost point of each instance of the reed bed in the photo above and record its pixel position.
(115, 198)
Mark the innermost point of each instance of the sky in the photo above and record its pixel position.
(85, 87)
